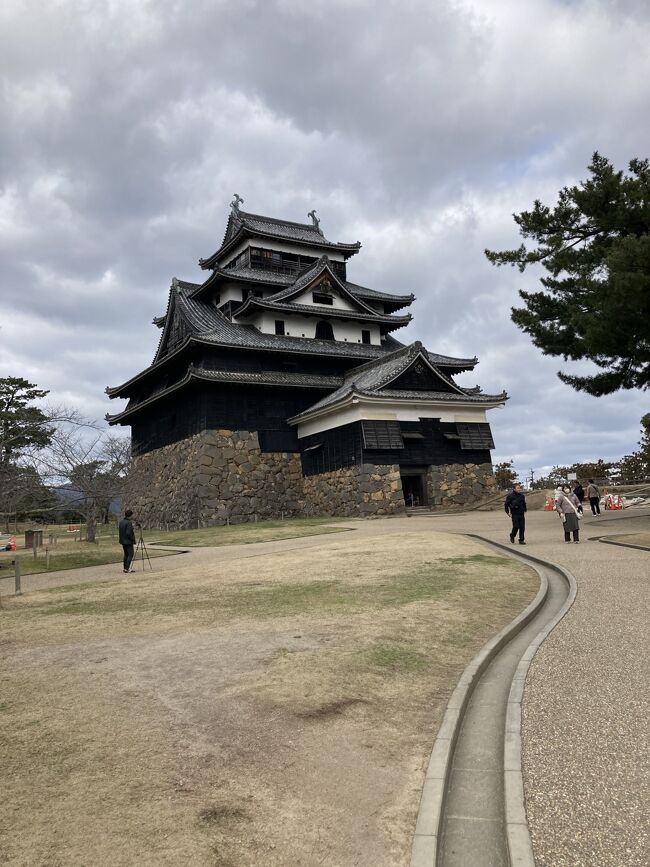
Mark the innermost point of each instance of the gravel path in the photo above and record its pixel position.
(586, 743)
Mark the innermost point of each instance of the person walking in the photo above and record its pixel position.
(127, 539)
(579, 491)
(593, 494)
(515, 506)
(566, 505)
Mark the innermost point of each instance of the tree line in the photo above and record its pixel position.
(54, 463)
(628, 470)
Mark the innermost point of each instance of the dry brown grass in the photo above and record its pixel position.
(274, 710)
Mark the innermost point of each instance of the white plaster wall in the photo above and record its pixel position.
(229, 292)
(304, 326)
(351, 331)
(338, 303)
(390, 412)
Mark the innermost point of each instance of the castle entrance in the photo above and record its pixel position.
(414, 486)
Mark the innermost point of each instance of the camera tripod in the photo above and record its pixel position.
(142, 548)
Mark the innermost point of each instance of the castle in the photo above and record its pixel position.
(277, 388)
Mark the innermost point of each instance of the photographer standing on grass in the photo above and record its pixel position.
(127, 539)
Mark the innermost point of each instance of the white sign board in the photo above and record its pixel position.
(572, 476)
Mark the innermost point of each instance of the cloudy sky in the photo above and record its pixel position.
(415, 126)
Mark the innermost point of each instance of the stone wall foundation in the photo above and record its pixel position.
(221, 477)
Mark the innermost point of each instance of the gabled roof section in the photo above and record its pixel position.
(242, 225)
(311, 275)
(183, 319)
(380, 378)
(253, 304)
(389, 298)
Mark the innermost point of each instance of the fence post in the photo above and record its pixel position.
(47, 558)
(18, 591)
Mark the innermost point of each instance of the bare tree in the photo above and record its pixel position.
(90, 463)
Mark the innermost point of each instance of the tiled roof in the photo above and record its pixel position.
(273, 280)
(318, 268)
(288, 379)
(325, 312)
(375, 295)
(457, 364)
(256, 224)
(373, 380)
(210, 327)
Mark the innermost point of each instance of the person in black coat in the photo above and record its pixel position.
(127, 539)
(515, 506)
(579, 491)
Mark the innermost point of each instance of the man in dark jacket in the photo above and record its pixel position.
(127, 539)
(579, 491)
(515, 506)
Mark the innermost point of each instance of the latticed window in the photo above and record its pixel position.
(382, 435)
(474, 437)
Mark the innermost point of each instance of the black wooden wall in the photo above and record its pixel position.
(208, 406)
(343, 447)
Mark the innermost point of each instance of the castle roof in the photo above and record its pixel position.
(271, 279)
(196, 322)
(282, 301)
(243, 225)
(374, 379)
(195, 330)
(279, 379)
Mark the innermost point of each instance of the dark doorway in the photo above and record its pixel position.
(324, 331)
(415, 488)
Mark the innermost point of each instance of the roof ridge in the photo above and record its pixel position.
(278, 221)
(374, 362)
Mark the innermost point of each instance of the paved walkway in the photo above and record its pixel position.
(586, 708)
(586, 743)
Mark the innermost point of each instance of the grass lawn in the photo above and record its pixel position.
(274, 710)
(67, 552)
(243, 534)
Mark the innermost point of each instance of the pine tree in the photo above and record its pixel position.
(595, 247)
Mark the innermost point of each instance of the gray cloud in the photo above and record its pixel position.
(416, 128)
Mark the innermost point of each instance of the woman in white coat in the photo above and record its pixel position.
(567, 505)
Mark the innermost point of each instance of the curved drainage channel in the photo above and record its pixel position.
(472, 810)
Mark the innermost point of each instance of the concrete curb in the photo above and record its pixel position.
(520, 847)
(620, 544)
(424, 852)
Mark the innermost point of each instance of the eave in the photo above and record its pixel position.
(440, 401)
(276, 379)
(245, 232)
(322, 312)
(303, 346)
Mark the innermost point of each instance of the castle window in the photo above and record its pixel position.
(475, 436)
(279, 326)
(365, 336)
(322, 298)
(382, 435)
(324, 330)
(471, 436)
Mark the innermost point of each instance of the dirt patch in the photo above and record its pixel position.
(275, 710)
